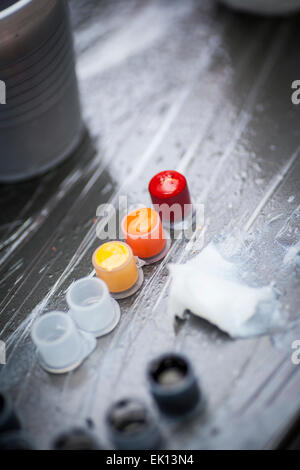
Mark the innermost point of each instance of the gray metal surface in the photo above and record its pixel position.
(165, 84)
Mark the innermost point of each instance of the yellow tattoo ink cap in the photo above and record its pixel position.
(115, 264)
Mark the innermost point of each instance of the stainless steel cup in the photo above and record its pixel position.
(41, 123)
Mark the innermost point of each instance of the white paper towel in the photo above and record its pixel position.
(208, 286)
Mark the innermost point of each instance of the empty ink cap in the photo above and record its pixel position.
(76, 439)
(131, 427)
(15, 440)
(61, 347)
(173, 384)
(92, 307)
(8, 418)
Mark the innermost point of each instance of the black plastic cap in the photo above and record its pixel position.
(131, 427)
(76, 439)
(173, 384)
(15, 440)
(9, 420)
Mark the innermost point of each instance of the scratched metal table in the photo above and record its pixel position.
(164, 84)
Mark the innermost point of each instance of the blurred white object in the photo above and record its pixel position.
(268, 7)
(208, 286)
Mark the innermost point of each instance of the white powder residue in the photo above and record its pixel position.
(293, 254)
(208, 286)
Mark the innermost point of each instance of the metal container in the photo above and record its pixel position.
(40, 124)
(265, 7)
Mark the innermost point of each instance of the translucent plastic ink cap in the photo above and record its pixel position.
(8, 418)
(131, 427)
(61, 347)
(76, 439)
(91, 306)
(173, 384)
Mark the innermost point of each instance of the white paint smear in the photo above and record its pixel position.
(209, 287)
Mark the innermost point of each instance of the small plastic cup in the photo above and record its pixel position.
(91, 306)
(60, 345)
(76, 439)
(174, 386)
(143, 231)
(115, 264)
(131, 427)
